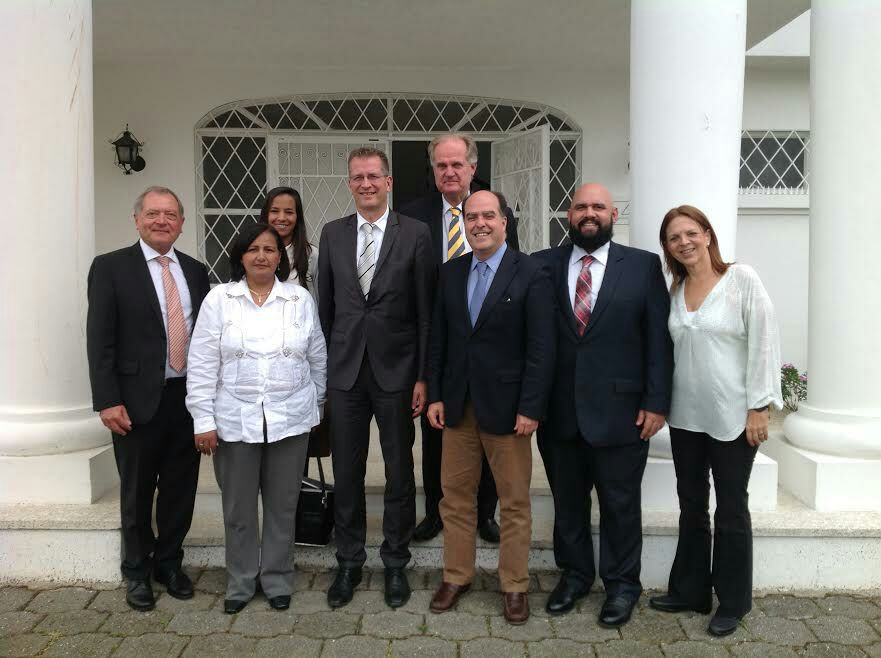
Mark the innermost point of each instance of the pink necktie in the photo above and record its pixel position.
(177, 325)
(582, 295)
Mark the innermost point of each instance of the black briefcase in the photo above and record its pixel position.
(314, 510)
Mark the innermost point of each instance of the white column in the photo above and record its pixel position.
(842, 415)
(686, 102)
(52, 447)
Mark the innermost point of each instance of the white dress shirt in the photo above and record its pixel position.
(248, 362)
(183, 291)
(448, 219)
(597, 271)
(378, 233)
(311, 269)
(726, 354)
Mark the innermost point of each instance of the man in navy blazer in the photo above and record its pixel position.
(611, 393)
(490, 367)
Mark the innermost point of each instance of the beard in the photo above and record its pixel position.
(591, 243)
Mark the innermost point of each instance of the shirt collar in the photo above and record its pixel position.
(493, 261)
(448, 205)
(600, 255)
(150, 253)
(379, 223)
(240, 289)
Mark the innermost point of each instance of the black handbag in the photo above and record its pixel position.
(314, 510)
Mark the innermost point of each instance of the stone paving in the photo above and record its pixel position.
(79, 621)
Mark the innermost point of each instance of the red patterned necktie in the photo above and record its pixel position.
(177, 324)
(582, 295)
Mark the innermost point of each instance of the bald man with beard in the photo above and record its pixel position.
(611, 393)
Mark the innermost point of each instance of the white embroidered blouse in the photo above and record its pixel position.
(726, 354)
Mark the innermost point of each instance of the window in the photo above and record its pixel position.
(774, 162)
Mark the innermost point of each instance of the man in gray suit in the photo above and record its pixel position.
(376, 278)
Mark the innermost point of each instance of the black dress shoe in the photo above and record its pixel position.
(177, 583)
(397, 589)
(616, 611)
(428, 528)
(282, 602)
(343, 588)
(721, 625)
(139, 595)
(670, 603)
(233, 606)
(564, 596)
(489, 530)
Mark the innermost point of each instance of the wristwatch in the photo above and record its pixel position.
(765, 408)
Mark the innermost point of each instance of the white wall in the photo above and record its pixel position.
(164, 106)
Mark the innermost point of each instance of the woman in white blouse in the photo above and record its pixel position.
(727, 372)
(257, 372)
(283, 211)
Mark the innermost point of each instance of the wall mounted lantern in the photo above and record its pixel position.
(127, 149)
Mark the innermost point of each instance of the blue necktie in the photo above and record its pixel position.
(479, 293)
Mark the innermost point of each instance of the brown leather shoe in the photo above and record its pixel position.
(516, 607)
(446, 596)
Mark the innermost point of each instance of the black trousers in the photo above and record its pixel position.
(159, 455)
(693, 577)
(350, 412)
(574, 469)
(432, 449)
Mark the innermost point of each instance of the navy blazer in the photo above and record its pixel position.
(504, 363)
(125, 333)
(624, 360)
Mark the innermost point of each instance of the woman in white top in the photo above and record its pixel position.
(727, 372)
(283, 211)
(257, 373)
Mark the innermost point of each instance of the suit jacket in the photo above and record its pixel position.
(430, 209)
(125, 334)
(392, 324)
(624, 360)
(504, 363)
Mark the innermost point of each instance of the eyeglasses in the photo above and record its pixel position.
(371, 178)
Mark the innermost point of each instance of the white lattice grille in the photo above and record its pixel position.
(519, 165)
(319, 171)
(229, 184)
(774, 162)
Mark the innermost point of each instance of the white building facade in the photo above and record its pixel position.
(713, 103)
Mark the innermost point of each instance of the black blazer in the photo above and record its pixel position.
(430, 209)
(392, 323)
(125, 334)
(505, 363)
(624, 361)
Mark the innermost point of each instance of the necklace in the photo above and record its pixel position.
(261, 296)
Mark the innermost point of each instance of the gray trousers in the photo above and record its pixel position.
(274, 470)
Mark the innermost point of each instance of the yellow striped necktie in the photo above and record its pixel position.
(455, 237)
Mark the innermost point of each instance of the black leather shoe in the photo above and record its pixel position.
(616, 611)
(139, 595)
(233, 606)
(564, 596)
(670, 603)
(489, 530)
(343, 588)
(177, 583)
(282, 602)
(428, 528)
(721, 625)
(397, 589)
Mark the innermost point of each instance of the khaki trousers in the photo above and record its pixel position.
(510, 458)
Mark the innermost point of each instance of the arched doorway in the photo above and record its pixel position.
(529, 151)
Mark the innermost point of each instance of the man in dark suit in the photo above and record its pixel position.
(143, 303)
(492, 356)
(376, 282)
(453, 159)
(611, 393)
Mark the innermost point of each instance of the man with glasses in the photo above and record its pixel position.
(376, 282)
